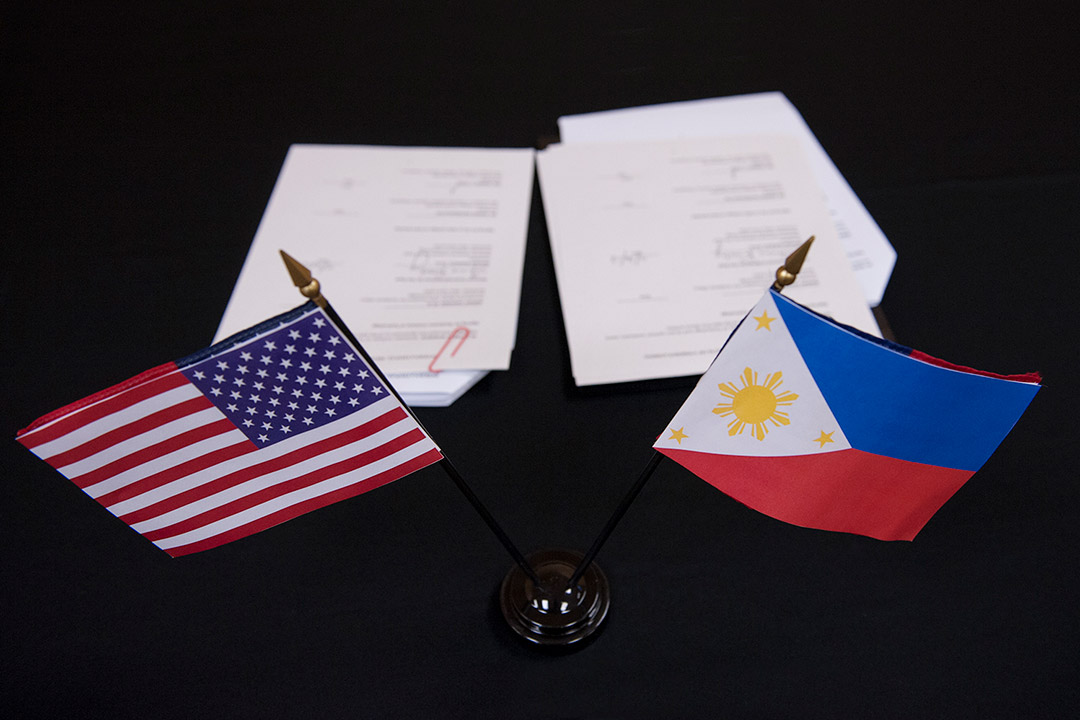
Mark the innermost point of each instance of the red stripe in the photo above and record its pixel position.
(431, 456)
(142, 386)
(137, 427)
(247, 473)
(153, 452)
(316, 476)
(1031, 377)
(177, 472)
(844, 491)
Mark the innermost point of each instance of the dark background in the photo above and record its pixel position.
(141, 142)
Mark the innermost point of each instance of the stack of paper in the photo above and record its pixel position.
(770, 113)
(420, 250)
(435, 389)
(660, 247)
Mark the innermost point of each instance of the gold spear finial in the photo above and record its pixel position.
(301, 277)
(785, 274)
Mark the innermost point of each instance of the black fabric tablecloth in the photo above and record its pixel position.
(141, 142)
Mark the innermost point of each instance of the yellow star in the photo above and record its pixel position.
(764, 320)
(678, 435)
(825, 438)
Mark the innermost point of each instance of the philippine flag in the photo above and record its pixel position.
(820, 425)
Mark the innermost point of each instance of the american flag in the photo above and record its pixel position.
(269, 424)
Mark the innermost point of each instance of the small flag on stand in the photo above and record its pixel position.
(820, 425)
(264, 426)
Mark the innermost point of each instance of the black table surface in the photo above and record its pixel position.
(141, 142)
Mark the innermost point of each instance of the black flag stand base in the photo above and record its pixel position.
(555, 613)
(571, 599)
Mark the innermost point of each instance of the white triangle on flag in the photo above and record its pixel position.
(756, 399)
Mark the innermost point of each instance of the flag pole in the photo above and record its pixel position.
(309, 287)
(616, 516)
(785, 275)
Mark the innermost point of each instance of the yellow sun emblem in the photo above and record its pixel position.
(754, 404)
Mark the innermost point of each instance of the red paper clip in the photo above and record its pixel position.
(431, 365)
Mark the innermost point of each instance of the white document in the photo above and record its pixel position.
(429, 389)
(420, 250)
(661, 248)
(868, 251)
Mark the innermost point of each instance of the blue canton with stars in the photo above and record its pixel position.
(283, 382)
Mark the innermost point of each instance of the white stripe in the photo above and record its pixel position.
(167, 462)
(271, 479)
(270, 453)
(139, 442)
(121, 417)
(110, 396)
(297, 496)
